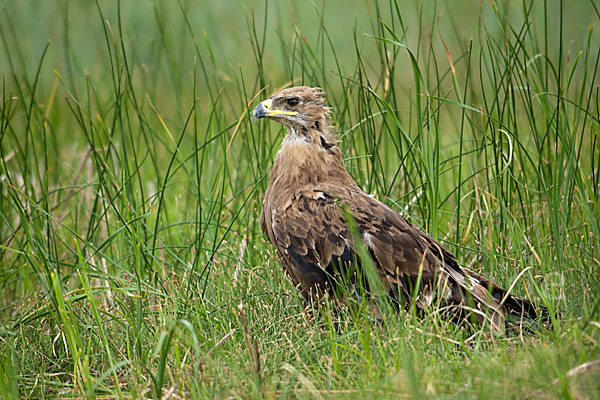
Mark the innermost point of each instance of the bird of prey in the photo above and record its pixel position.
(304, 219)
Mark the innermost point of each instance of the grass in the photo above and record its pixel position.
(131, 179)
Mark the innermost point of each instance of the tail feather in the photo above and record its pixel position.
(519, 308)
(501, 306)
(465, 294)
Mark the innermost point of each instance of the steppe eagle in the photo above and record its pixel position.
(303, 217)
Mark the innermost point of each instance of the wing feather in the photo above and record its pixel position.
(315, 241)
(312, 232)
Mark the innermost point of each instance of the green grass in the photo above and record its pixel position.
(131, 259)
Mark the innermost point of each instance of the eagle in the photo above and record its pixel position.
(314, 213)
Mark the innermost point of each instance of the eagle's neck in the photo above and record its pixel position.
(307, 158)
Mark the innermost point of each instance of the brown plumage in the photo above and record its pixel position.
(303, 220)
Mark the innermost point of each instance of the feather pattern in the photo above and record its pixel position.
(303, 220)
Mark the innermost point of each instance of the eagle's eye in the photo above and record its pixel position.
(292, 102)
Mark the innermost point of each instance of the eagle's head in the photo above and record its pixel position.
(300, 108)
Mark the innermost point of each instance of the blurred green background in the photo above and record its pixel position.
(164, 38)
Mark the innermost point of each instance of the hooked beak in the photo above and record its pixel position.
(264, 109)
